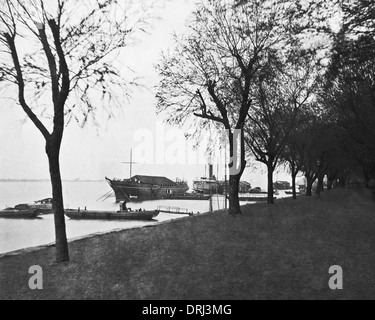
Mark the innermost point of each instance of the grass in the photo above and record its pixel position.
(269, 252)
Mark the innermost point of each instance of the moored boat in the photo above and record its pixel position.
(111, 215)
(44, 206)
(13, 213)
(140, 188)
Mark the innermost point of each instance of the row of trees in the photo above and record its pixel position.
(337, 140)
(299, 91)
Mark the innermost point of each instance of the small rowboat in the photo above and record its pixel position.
(111, 215)
(19, 214)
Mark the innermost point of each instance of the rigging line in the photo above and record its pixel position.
(104, 195)
(110, 195)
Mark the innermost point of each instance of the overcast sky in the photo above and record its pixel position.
(92, 153)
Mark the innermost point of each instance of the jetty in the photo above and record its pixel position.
(187, 196)
(173, 210)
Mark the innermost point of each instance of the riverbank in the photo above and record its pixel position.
(269, 252)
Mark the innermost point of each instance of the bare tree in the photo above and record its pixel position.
(60, 57)
(279, 95)
(291, 156)
(210, 73)
(314, 145)
(293, 153)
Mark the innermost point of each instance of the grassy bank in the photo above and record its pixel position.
(270, 252)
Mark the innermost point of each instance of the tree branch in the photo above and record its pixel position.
(223, 111)
(21, 88)
(207, 114)
(51, 62)
(63, 94)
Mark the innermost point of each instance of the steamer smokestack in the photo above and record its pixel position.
(210, 171)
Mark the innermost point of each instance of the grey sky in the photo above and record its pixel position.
(92, 153)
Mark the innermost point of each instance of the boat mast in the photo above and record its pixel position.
(130, 162)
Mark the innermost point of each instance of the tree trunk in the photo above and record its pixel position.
(334, 184)
(330, 183)
(62, 250)
(234, 201)
(331, 177)
(342, 182)
(270, 194)
(234, 175)
(309, 184)
(367, 178)
(294, 175)
(320, 186)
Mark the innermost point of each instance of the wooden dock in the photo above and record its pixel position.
(186, 196)
(173, 210)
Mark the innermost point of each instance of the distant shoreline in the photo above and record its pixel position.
(47, 180)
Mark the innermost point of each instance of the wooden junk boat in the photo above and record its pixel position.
(140, 188)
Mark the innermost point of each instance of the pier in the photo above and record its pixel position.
(173, 210)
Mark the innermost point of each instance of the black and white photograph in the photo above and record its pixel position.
(185, 155)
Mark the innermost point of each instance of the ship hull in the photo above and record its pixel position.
(134, 192)
(110, 215)
(208, 187)
(19, 214)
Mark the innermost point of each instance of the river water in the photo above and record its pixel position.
(23, 233)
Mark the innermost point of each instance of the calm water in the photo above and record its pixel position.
(22, 233)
